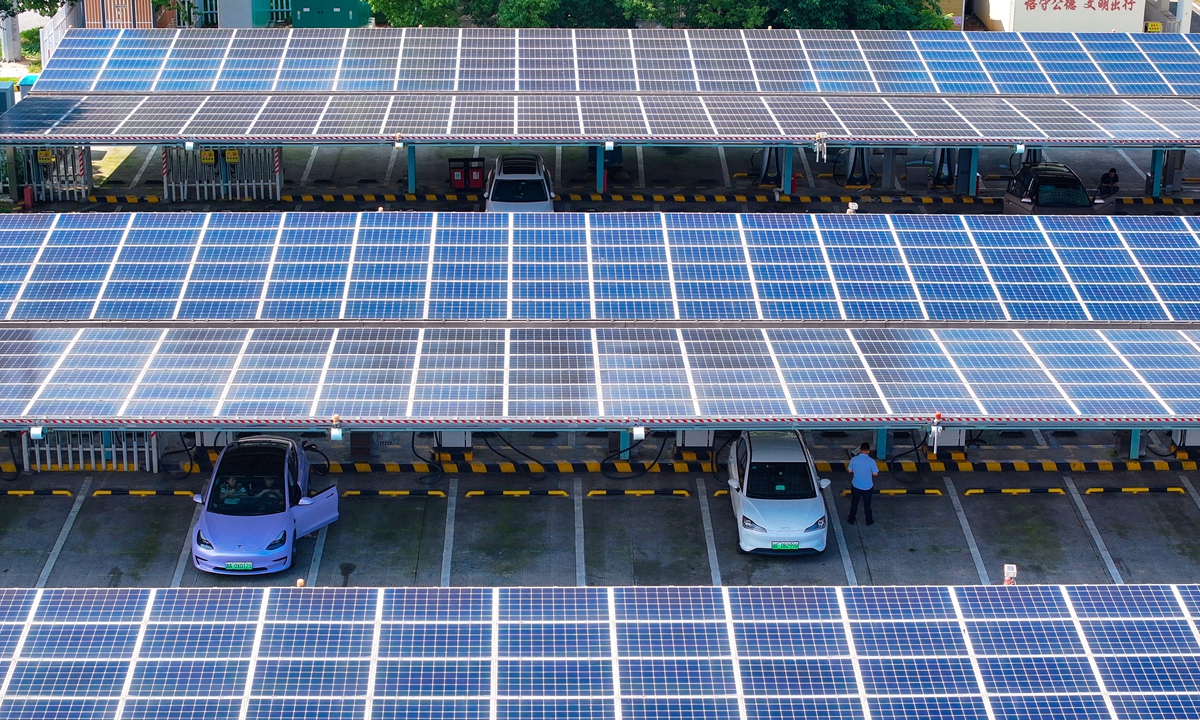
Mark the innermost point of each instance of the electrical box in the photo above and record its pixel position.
(330, 13)
(244, 13)
(208, 438)
(454, 439)
(694, 438)
(953, 437)
(1185, 438)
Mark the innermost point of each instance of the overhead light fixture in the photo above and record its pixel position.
(37, 432)
(638, 432)
(1019, 148)
(609, 145)
(335, 432)
(189, 145)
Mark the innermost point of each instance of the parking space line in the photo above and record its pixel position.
(831, 513)
(185, 553)
(1091, 526)
(966, 528)
(724, 166)
(1191, 489)
(448, 545)
(62, 535)
(314, 567)
(714, 568)
(580, 558)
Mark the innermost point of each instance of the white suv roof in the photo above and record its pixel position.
(776, 447)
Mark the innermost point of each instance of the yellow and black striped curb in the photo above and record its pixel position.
(1135, 490)
(23, 493)
(476, 468)
(901, 491)
(1158, 201)
(143, 493)
(1021, 466)
(394, 493)
(106, 467)
(759, 197)
(1015, 491)
(693, 456)
(516, 493)
(639, 493)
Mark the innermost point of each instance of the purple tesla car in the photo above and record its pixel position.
(256, 506)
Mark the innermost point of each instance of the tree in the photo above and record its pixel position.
(525, 13)
(859, 14)
(430, 13)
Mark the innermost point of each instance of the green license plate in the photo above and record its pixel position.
(239, 566)
(785, 546)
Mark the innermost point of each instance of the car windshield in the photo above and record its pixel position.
(249, 482)
(1062, 192)
(519, 191)
(780, 481)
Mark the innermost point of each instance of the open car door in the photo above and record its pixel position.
(314, 513)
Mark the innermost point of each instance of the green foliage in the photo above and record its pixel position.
(589, 14)
(860, 14)
(430, 13)
(31, 42)
(525, 13)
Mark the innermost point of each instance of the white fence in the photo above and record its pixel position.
(52, 33)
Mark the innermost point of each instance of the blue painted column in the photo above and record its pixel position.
(785, 181)
(881, 441)
(1135, 442)
(1157, 159)
(600, 189)
(412, 169)
(626, 436)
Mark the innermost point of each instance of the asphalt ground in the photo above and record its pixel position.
(1073, 537)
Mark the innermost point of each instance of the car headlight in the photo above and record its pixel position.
(818, 525)
(203, 541)
(751, 525)
(279, 541)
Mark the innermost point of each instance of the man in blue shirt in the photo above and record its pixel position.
(864, 468)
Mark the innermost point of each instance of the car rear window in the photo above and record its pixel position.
(1064, 192)
(780, 481)
(249, 481)
(519, 191)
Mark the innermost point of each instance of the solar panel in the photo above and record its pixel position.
(598, 652)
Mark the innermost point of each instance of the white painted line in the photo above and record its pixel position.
(714, 567)
(831, 517)
(62, 534)
(1187, 484)
(314, 567)
(808, 173)
(580, 556)
(145, 164)
(558, 159)
(966, 528)
(448, 545)
(1041, 439)
(724, 166)
(1132, 164)
(1091, 526)
(641, 168)
(185, 554)
(308, 167)
(387, 176)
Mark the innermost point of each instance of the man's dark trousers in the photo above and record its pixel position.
(865, 495)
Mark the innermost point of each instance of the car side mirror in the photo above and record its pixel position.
(485, 196)
(824, 483)
(1027, 200)
(552, 196)
(305, 501)
(1097, 201)
(198, 499)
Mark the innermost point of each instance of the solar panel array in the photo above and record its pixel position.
(428, 375)
(484, 60)
(621, 266)
(744, 653)
(547, 118)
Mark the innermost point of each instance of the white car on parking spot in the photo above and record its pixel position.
(519, 183)
(776, 495)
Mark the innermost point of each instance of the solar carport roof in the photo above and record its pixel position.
(441, 85)
(411, 319)
(725, 653)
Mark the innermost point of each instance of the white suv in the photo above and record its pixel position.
(519, 183)
(776, 495)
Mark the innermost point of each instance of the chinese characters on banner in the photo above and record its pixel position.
(1096, 5)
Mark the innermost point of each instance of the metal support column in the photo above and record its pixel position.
(966, 181)
(786, 182)
(1135, 443)
(881, 442)
(888, 179)
(626, 436)
(1157, 159)
(412, 168)
(600, 189)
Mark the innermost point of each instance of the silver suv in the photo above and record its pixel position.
(519, 183)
